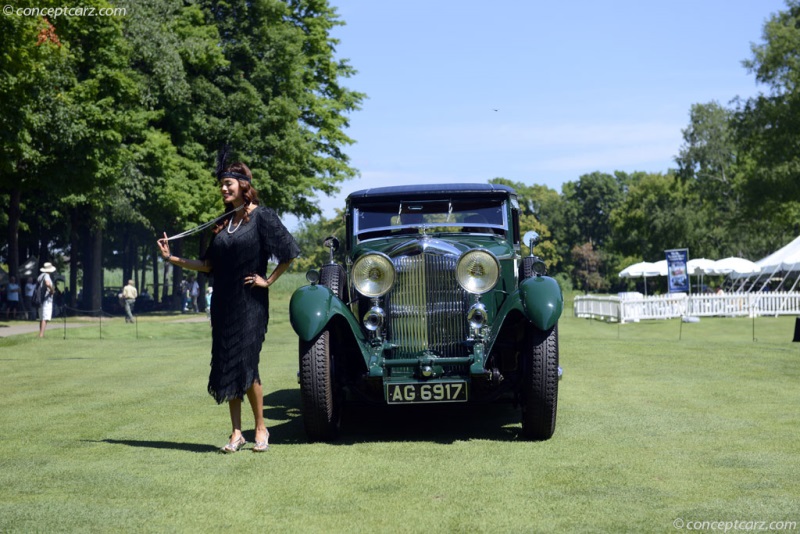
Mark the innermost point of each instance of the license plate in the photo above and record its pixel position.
(426, 392)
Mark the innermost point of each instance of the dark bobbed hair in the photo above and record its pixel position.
(249, 194)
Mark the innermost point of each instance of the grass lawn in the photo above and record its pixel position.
(118, 434)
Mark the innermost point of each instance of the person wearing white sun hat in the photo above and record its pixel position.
(46, 307)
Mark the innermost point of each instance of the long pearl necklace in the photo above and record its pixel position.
(237, 225)
(202, 227)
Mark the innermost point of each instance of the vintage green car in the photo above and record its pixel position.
(434, 304)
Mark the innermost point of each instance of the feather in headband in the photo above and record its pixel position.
(222, 157)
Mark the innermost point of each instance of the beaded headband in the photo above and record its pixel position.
(229, 174)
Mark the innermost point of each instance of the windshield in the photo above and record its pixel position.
(430, 216)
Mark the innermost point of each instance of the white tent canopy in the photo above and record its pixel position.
(661, 267)
(734, 266)
(699, 266)
(784, 259)
(638, 270)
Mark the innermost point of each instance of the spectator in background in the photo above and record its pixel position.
(46, 308)
(12, 297)
(194, 292)
(129, 295)
(184, 296)
(27, 297)
(209, 292)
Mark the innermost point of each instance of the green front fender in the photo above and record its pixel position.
(542, 301)
(312, 308)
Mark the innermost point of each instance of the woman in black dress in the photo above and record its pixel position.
(237, 258)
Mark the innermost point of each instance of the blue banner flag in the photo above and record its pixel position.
(678, 278)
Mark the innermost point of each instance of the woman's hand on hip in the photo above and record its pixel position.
(255, 280)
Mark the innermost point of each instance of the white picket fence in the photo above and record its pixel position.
(633, 307)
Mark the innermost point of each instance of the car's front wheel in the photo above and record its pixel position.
(540, 384)
(321, 400)
(334, 278)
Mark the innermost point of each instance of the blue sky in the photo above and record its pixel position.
(536, 92)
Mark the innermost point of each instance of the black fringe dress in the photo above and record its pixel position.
(239, 312)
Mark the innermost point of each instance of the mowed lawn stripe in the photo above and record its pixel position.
(119, 434)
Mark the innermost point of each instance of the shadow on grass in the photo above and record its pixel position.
(361, 422)
(178, 446)
(366, 423)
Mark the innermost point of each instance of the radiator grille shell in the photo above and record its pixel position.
(427, 307)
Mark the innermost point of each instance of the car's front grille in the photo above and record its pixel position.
(427, 307)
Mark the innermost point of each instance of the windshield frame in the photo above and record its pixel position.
(391, 213)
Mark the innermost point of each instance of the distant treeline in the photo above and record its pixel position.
(109, 126)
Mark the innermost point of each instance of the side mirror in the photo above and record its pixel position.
(333, 244)
(530, 238)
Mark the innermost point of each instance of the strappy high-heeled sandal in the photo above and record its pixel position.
(262, 446)
(233, 446)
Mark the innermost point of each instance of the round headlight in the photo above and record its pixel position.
(373, 275)
(477, 271)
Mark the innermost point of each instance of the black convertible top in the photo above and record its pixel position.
(429, 191)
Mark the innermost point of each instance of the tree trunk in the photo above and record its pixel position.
(74, 251)
(86, 261)
(143, 262)
(127, 258)
(92, 269)
(165, 287)
(156, 296)
(202, 278)
(97, 270)
(14, 214)
(177, 278)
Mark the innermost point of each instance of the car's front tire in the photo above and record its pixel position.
(321, 401)
(334, 278)
(540, 384)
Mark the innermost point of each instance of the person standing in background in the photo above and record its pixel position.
(129, 295)
(12, 297)
(27, 298)
(194, 292)
(46, 307)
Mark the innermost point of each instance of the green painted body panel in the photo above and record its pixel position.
(542, 301)
(313, 307)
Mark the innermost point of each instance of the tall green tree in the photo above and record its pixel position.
(34, 73)
(707, 166)
(535, 203)
(589, 202)
(69, 80)
(708, 155)
(310, 237)
(657, 213)
(283, 104)
(768, 126)
(586, 271)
